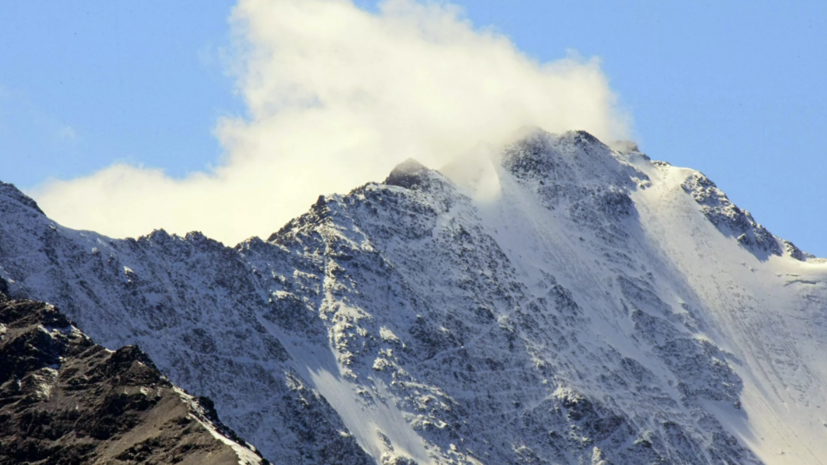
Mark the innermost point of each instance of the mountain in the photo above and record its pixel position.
(66, 400)
(559, 302)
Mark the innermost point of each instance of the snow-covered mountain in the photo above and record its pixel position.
(557, 303)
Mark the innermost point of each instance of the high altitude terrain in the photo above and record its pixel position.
(66, 400)
(560, 302)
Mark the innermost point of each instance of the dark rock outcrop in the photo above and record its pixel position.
(66, 400)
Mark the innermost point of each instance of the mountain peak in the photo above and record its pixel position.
(408, 174)
(591, 309)
(13, 193)
(580, 137)
(573, 157)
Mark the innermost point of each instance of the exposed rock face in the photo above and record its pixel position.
(733, 221)
(66, 400)
(603, 308)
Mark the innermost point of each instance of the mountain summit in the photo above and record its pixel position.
(601, 308)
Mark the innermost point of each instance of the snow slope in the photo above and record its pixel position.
(557, 302)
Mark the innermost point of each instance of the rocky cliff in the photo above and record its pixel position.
(66, 400)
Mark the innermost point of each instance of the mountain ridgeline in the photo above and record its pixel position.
(601, 308)
(66, 400)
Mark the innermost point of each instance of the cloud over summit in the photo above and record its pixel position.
(336, 97)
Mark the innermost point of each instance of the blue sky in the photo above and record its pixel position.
(734, 89)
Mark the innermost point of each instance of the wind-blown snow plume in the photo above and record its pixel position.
(336, 97)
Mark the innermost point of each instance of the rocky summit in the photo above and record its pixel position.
(594, 307)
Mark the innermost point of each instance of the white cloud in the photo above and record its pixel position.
(337, 96)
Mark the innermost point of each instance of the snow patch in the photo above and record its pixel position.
(363, 419)
(387, 335)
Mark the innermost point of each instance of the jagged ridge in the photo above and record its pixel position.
(64, 399)
(567, 321)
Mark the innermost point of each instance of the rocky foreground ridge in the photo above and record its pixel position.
(66, 400)
(601, 308)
